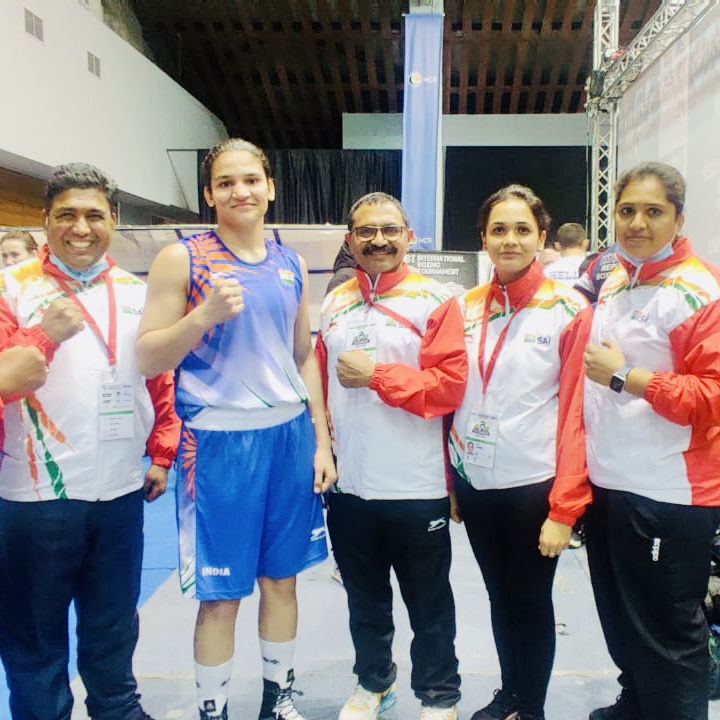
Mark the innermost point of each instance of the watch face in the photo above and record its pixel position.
(617, 383)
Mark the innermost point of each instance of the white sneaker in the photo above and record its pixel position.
(428, 712)
(366, 705)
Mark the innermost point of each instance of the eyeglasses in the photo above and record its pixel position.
(367, 233)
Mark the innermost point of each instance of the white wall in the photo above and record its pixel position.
(94, 6)
(53, 110)
(672, 114)
(364, 131)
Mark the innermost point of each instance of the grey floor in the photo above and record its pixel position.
(583, 677)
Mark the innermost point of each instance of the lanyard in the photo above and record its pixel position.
(486, 373)
(390, 313)
(110, 344)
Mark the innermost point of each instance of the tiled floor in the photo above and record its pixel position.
(583, 677)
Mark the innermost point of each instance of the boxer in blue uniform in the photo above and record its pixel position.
(229, 309)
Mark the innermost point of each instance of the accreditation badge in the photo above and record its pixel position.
(362, 335)
(117, 407)
(481, 439)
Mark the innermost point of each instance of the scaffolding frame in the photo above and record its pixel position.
(614, 70)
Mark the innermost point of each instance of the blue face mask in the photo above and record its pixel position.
(662, 254)
(84, 276)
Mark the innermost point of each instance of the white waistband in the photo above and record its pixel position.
(220, 419)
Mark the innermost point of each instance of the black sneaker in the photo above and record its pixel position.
(502, 707)
(277, 703)
(625, 708)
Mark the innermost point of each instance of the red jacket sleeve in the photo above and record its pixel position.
(321, 357)
(438, 386)
(691, 395)
(164, 438)
(571, 491)
(11, 334)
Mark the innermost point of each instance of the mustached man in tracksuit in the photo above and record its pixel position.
(393, 358)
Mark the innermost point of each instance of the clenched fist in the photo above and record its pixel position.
(62, 320)
(224, 301)
(22, 370)
(354, 369)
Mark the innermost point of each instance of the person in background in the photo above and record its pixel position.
(546, 254)
(392, 357)
(572, 243)
(652, 410)
(16, 246)
(594, 274)
(343, 268)
(229, 309)
(517, 445)
(72, 483)
(585, 264)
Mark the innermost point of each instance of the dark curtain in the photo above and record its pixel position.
(559, 176)
(314, 187)
(319, 186)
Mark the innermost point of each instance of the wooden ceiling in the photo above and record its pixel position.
(282, 72)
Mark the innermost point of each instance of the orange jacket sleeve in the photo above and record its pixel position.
(164, 438)
(571, 491)
(691, 395)
(438, 386)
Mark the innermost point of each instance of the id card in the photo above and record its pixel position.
(362, 335)
(481, 439)
(117, 405)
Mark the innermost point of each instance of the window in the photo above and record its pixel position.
(93, 64)
(33, 25)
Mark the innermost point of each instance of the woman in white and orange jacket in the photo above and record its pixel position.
(652, 411)
(517, 442)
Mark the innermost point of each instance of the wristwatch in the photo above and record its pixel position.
(619, 378)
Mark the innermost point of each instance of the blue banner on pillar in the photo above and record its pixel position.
(421, 122)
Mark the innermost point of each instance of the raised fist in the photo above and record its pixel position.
(224, 301)
(62, 320)
(22, 370)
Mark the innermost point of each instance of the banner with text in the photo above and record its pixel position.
(459, 270)
(421, 124)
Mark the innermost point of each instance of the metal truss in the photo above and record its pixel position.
(671, 21)
(602, 118)
(614, 71)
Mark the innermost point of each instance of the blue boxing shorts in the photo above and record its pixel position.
(246, 508)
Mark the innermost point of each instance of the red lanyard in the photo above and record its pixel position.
(111, 343)
(486, 374)
(390, 313)
(395, 316)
